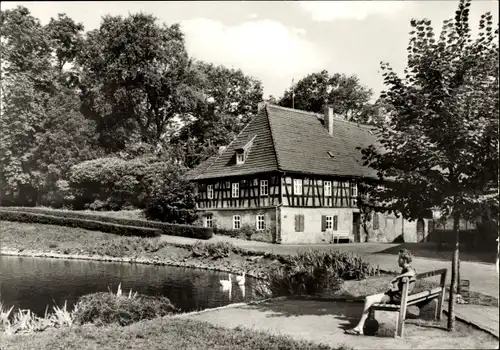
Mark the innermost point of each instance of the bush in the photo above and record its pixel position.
(81, 223)
(168, 229)
(216, 250)
(113, 183)
(126, 246)
(106, 308)
(313, 272)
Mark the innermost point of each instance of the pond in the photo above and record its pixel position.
(34, 283)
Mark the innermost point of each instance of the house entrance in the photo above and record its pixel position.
(420, 230)
(356, 227)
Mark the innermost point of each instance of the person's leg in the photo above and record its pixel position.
(369, 301)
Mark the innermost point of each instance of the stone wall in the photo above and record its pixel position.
(391, 228)
(224, 219)
(312, 225)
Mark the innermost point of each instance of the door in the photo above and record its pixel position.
(356, 223)
(420, 230)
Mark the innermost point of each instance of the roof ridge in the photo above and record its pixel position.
(293, 110)
(320, 115)
(273, 138)
(227, 147)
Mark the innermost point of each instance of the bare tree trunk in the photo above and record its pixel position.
(454, 273)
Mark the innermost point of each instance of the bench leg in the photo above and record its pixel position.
(439, 307)
(401, 320)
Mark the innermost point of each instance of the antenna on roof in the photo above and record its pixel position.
(293, 95)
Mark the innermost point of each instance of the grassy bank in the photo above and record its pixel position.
(25, 237)
(160, 333)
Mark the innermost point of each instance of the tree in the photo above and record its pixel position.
(136, 76)
(231, 101)
(66, 37)
(345, 94)
(440, 142)
(43, 132)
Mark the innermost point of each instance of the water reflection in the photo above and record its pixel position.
(34, 283)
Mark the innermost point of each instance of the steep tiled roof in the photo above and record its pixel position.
(261, 156)
(296, 141)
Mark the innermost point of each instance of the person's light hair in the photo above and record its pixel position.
(405, 254)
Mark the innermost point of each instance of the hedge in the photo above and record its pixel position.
(469, 239)
(80, 223)
(166, 228)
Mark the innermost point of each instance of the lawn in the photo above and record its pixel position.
(160, 333)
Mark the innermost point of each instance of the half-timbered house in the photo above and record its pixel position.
(294, 176)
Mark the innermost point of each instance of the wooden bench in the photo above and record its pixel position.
(420, 299)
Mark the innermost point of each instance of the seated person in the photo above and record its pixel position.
(393, 295)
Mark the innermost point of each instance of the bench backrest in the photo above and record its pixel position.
(442, 272)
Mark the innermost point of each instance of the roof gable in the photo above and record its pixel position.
(256, 140)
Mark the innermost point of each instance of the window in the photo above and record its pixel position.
(261, 223)
(354, 189)
(329, 222)
(297, 186)
(210, 191)
(209, 220)
(240, 158)
(327, 186)
(299, 223)
(264, 188)
(236, 222)
(235, 193)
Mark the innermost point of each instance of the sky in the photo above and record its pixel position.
(277, 41)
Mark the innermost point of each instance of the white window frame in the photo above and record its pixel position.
(210, 191)
(354, 189)
(264, 187)
(209, 220)
(236, 222)
(329, 223)
(240, 157)
(235, 190)
(297, 186)
(260, 223)
(327, 187)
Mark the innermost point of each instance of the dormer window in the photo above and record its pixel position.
(240, 157)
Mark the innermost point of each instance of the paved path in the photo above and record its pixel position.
(324, 322)
(484, 317)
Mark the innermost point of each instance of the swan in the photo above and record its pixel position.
(241, 279)
(226, 284)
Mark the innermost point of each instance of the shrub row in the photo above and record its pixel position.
(168, 229)
(481, 238)
(81, 223)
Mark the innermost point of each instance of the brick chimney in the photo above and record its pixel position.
(222, 149)
(328, 119)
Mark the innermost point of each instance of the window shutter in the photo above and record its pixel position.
(301, 223)
(297, 219)
(323, 223)
(335, 222)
